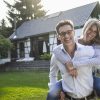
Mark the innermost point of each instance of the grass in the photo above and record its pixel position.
(23, 85)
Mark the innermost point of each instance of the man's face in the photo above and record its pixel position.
(66, 35)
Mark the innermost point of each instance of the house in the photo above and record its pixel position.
(31, 35)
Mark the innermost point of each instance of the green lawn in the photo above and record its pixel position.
(23, 85)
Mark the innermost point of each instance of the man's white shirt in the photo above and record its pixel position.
(80, 86)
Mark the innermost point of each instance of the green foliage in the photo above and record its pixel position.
(4, 30)
(5, 45)
(45, 56)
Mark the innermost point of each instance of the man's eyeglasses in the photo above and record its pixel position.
(67, 32)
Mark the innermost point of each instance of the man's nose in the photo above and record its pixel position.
(66, 35)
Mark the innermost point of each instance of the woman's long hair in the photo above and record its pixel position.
(88, 25)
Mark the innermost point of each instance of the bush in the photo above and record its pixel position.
(45, 56)
(5, 45)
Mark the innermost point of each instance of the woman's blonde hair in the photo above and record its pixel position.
(89, 24)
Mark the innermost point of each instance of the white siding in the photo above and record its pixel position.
(18, 50)
(78, 33)
(27, 48)
(52, 41)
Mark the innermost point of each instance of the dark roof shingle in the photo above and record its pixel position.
(46, 24)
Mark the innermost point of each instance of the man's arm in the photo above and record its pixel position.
(53, 72)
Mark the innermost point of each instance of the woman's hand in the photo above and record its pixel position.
(62, 96)
(72, 71)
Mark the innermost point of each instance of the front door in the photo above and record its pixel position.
(21, 50)
(40, 47)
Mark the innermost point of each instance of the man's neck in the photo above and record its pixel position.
(70, 49)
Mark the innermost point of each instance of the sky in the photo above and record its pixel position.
(51, 6)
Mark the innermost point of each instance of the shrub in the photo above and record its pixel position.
(5, 45)
(45, 56)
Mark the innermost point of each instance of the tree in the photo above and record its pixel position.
(4, 30)
(24, 10)
(5, 45)
(2, 27)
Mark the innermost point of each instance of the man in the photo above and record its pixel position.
(76, 83)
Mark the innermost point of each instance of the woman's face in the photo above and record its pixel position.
(90, 33)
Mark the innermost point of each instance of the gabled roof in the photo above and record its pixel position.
(47, 24)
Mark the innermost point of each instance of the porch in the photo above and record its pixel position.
(25, 66)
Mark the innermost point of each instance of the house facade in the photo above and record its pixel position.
(30, 37)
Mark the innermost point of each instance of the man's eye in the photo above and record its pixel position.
(69, 32)
(63, 33)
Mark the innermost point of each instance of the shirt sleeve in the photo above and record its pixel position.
(93, 61)
(60, 55)
(53, 72)
(87, 62)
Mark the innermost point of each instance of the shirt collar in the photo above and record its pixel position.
(78, 47)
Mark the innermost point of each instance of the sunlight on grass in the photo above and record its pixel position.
(22, 93)
(32, 85)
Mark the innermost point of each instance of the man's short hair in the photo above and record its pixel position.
(62, 23)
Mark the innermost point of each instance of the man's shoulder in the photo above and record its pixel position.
(58, 46)
(53, 58)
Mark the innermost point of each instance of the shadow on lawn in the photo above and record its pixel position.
(24, 79)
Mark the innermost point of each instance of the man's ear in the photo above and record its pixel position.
(74, 32)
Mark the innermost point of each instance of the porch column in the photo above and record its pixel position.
(27, 48)
(18, 55)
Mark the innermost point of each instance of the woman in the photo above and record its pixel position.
(91, 36)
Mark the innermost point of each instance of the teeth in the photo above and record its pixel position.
(67, 39)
